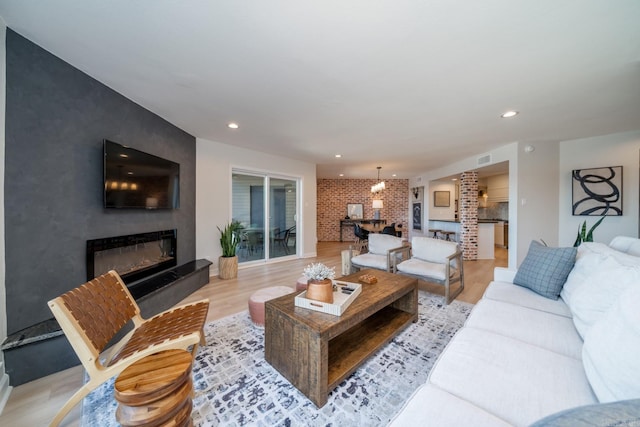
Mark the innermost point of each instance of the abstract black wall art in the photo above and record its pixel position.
(597, 191)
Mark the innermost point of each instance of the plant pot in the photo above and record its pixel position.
(228, 267)
(321, 290)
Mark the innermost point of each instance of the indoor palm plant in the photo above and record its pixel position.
(229, 241)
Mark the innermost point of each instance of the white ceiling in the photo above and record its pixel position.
(408, 85)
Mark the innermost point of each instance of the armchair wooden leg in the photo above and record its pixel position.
(73, 401)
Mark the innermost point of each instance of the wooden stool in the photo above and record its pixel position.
(435, 232)
(156, 391)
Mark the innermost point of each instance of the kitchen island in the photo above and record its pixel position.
(485, 234)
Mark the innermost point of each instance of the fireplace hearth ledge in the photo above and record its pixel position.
(23, 349)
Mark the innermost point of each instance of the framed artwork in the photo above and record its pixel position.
(354, 210)
(441, 199)
(417, 216)
(597, 191)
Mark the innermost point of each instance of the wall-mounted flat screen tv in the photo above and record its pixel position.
(137, 180)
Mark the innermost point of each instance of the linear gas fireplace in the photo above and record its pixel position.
(134, 257)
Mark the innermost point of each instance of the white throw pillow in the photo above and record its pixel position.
(599, 291)
(611, 350)
(587, 263)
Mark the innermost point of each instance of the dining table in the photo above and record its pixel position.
(377, 228)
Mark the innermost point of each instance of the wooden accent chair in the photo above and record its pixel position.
(91, 316)
(382, 248)
(433, 260)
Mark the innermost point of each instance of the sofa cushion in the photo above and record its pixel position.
(431, 406)
(626, 244)
(528, 325)
(370, 260)
(612, 348)
(516, 381)
(508, 292)
(545, 269)
(380, 243)
(432, 250)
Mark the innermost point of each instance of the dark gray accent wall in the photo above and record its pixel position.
(56, 119)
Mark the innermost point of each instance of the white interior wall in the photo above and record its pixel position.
(441, 212)
(621, 149)
(536, 198)
(214, 162)
(508, 153)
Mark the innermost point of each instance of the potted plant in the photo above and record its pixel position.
(320, 286)
(583, 235)
(229, 241)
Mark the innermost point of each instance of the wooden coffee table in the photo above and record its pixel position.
(316, 351)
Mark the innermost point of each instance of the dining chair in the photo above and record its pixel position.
(282, 239)
(389, 229)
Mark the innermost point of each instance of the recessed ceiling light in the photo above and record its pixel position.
(509, 114)
(233, 125)
(341, 174)
(124, 156)
(338, 155)
(454, 179)
(393, 174)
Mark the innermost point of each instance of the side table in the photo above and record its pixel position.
(156, 390)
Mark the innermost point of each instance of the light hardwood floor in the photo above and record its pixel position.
(35, 403)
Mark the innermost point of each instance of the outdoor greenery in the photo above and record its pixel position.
(229, 238)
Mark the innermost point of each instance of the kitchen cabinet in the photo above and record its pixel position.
(498, 188)
(485, 235)
(499, 236)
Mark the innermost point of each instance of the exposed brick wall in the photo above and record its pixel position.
(469, 215)
(335, 194)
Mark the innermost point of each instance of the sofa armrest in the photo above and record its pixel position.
(502, 274)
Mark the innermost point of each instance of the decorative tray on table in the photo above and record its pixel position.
(341, 300)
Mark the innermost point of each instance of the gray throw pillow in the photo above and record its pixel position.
(624, 413)
(544, 269)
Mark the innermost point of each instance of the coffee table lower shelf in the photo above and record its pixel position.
(316, 351)
(348, 350)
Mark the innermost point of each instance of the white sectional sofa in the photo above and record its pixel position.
(521, 356)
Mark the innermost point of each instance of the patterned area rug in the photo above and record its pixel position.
(235, 386)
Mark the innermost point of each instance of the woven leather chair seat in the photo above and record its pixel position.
(91, 315)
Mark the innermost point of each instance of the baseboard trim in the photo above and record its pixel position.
(5, 388)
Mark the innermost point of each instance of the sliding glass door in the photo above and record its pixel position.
(282, 217)
(267, 208)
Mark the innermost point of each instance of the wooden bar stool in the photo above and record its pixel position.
(156, 391)
(435, 232)
(447, 235)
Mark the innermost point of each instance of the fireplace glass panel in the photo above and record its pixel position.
(133, 258)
